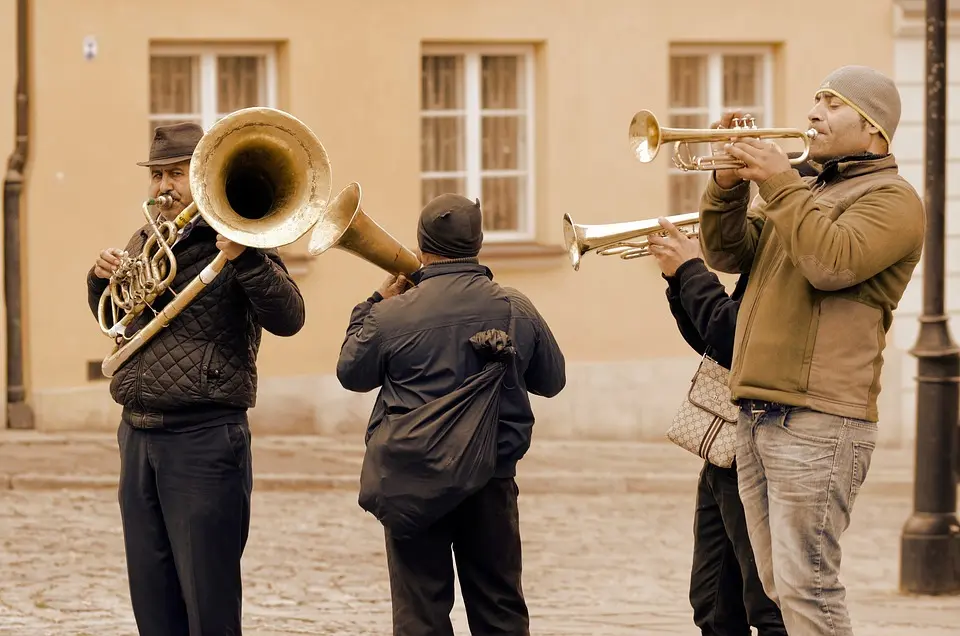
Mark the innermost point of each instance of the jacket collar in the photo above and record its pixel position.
(855, 166)
(457, 266)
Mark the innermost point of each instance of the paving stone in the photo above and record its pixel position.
(612, 564)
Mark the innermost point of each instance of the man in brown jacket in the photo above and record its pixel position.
(829, 258)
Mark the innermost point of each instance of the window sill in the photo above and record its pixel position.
(297, 263)
(525, 253)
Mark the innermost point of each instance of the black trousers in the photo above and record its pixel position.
(484, 534)
(185, 507)
(725, 589)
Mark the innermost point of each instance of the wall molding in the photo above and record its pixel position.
(626, 400)
(909, 18)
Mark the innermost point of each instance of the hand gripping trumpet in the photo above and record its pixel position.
(626, 240)
(647, 136)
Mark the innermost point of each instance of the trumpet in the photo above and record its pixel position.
(647, 136)
(626, 240)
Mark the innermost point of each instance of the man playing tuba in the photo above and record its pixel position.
(185, 463)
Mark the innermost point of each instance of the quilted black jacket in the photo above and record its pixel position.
(203, 364)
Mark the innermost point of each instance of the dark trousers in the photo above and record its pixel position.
(725, 589)
(484, 532)
(185, 506)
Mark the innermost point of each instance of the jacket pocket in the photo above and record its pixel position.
(206, 365)
(811, 343)
(844, 365)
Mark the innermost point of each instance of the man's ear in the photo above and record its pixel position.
(870, 128)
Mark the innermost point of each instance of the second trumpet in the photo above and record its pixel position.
(626, 240)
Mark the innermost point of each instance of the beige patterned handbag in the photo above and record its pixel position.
(706, 424)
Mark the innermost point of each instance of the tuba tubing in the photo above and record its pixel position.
(345, 226)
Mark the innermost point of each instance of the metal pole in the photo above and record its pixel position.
(930, 542)
(19, 413)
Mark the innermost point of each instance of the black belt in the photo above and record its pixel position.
(759, 407)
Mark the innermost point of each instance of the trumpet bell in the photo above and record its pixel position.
(573, 241)
(260, 177)
(345, 226)
(644, 136)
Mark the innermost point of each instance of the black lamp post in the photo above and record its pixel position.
(930, 541)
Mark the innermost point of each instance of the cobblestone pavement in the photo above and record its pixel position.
(30, 460)
(595, 565)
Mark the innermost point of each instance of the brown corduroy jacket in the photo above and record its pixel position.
(829, 258)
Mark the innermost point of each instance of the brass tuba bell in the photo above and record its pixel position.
(344, 225)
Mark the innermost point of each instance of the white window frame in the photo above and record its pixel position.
(715, 108)
(208, 55)
(472, 130)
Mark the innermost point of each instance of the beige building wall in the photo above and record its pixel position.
(351, 71)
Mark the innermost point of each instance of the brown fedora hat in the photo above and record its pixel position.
(173, 144)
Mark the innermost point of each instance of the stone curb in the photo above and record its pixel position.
(533, 483)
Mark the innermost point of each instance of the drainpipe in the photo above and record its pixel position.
(19, 413)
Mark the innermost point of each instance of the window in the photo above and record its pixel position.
(476, 133)
(705, 83)
(202, 84)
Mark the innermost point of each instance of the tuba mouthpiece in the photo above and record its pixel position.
(162, 201)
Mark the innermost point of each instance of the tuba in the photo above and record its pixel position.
(646, 136)
(259, 177)
(626, 240)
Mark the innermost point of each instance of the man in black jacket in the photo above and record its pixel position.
(185, 464)
(725, 589)
(414, 346)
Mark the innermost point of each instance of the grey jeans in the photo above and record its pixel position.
(799, 474)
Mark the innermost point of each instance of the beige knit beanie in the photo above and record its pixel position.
(870, 93)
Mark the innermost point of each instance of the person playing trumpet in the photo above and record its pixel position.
(829, 258)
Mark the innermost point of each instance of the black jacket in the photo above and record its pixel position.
(705, 314)
(415, 347)
(202, 367)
